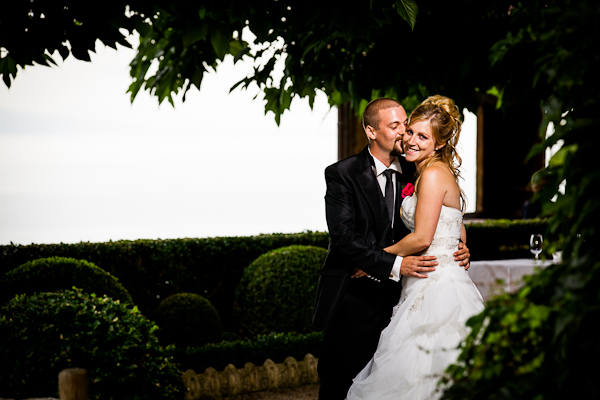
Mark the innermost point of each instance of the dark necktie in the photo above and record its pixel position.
(389, 192)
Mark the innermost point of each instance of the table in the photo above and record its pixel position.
(486, 273)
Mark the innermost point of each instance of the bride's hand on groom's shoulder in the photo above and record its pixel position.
(417, 265)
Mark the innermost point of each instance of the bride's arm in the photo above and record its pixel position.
(429, 206)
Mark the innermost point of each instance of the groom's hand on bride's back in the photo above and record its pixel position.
(417, 265)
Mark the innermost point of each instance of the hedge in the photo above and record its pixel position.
(274, 346)
(152, 270)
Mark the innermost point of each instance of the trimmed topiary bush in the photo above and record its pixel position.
(277, 291)
(188, 320)
(54, 274)
(45, 333)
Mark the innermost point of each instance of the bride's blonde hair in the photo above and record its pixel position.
(444, 118)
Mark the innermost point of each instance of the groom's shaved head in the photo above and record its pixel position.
(371, 113)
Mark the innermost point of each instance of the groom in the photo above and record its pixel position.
(359, 283)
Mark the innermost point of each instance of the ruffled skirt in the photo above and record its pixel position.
(422, 338)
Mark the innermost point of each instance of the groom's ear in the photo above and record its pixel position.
(370, 132)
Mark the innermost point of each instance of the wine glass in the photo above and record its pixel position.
(535, 245)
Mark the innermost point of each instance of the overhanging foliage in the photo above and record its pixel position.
(351, 52)
(541, 343)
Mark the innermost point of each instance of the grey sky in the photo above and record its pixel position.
(79, 162)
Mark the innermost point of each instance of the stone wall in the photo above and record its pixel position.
(232, 381)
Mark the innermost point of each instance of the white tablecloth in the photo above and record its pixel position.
(486, 273)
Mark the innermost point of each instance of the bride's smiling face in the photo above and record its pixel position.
(418, 142)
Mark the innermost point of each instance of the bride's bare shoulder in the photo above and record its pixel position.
(437, 172)
(438, 177)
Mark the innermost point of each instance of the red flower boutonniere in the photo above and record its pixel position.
(408, 190)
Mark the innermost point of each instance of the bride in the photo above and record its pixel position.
(429, 321)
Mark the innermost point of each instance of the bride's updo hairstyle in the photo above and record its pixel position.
(444, 118)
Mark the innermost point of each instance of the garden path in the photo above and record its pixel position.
(302, 393)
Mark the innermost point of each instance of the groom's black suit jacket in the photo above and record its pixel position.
(359, 229)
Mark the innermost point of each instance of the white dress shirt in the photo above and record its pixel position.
(378, 169)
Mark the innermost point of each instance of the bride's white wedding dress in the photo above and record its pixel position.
(427, 324)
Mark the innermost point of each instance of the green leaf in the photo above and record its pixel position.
(198, 33)
(285, 100)
(49, 59)
(143, 29)
(335, 98)
(64, 52)
(498, 93)
(8, 67)
(408, 10)
(560, 157)
(235, 46)
(240, 53)
(196, 78)
(244, 82)
(81, 53)
(220, 43)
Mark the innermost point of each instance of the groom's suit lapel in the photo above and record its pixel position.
(400, 182)
(368, 184)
